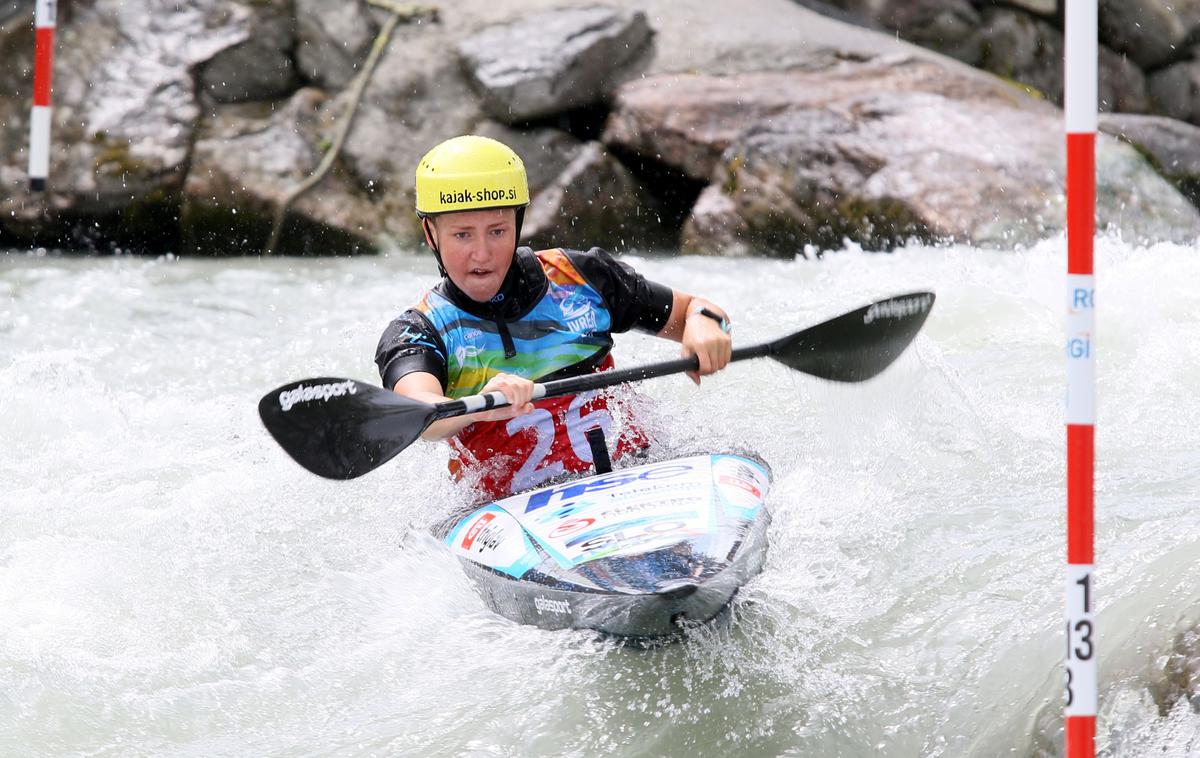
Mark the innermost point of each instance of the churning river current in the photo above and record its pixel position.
(172, 584)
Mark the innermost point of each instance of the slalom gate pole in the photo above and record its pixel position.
(43, 68)
(1080, 108)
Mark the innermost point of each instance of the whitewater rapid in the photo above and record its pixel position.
(171, 584)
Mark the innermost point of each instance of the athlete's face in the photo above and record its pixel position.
(477, 248)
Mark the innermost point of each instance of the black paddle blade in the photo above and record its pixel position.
(858, 345)
(341, 428)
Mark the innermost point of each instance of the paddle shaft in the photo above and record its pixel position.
(571, 385)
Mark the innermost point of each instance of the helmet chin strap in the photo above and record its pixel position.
(520, 220)
(430, 239)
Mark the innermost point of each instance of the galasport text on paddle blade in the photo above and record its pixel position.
(342, 428)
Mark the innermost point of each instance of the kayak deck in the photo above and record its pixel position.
(630, 553)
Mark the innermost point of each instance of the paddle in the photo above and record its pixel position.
(342, 428)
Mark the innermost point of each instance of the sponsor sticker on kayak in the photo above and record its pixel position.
(494, 538)
(634, 510)
(741, 485)
(626, 512)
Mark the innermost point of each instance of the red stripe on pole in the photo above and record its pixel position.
(1081, 525)
(1081, 201)
(43, 65)
(1080, 736)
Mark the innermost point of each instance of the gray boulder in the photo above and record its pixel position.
(1173, 146)
(553, 61)
(1175, 91)
(688, 121)
(594, 201)
(1014, 40)
(947, 26)
(818, 176)
(1029, 50)
(1151, 32)
(247, 159)
(860, 150)
(732, 36)
(1135, 201)
(1023, 48)
(333, 39)
(260, 68)
(1123, 87)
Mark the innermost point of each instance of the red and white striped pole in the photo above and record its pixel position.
(43, 68)
(1080, 106)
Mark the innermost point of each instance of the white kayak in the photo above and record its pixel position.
(631, 553)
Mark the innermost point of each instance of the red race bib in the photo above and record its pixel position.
(523, 452)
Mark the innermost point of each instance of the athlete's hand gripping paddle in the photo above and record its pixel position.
(343, 428)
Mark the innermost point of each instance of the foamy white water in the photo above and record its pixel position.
(171, 584)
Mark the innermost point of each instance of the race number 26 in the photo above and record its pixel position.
(1081, 642)
(541, 421)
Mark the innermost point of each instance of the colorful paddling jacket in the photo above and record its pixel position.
(554, 317)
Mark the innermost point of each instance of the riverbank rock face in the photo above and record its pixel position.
(596, 199)
(860, 150)
(261, 68)
(124, 112)
(333, 39)
(152, 142)
(245, 161)
(416, 99)
(1176, 91)
(1151, 32)
(948, 26)
(1013, 40)
(1173, 147)
(553, 61)
(1029, 50)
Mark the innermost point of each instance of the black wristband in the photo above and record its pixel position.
(721, 321)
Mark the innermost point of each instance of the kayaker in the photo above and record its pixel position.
(503, 317)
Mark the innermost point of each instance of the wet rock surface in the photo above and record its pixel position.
(261, 68)
(553, 61)
(332, 39)
(1175, 91)
(125, 109)
(1172, 146)
(1151, 32)
(859, 151)
(1022, 40)
(597, 199)
(243, 163)
(1029, 50)
(718, 127)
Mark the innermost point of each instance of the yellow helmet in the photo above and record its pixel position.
(470, 173)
